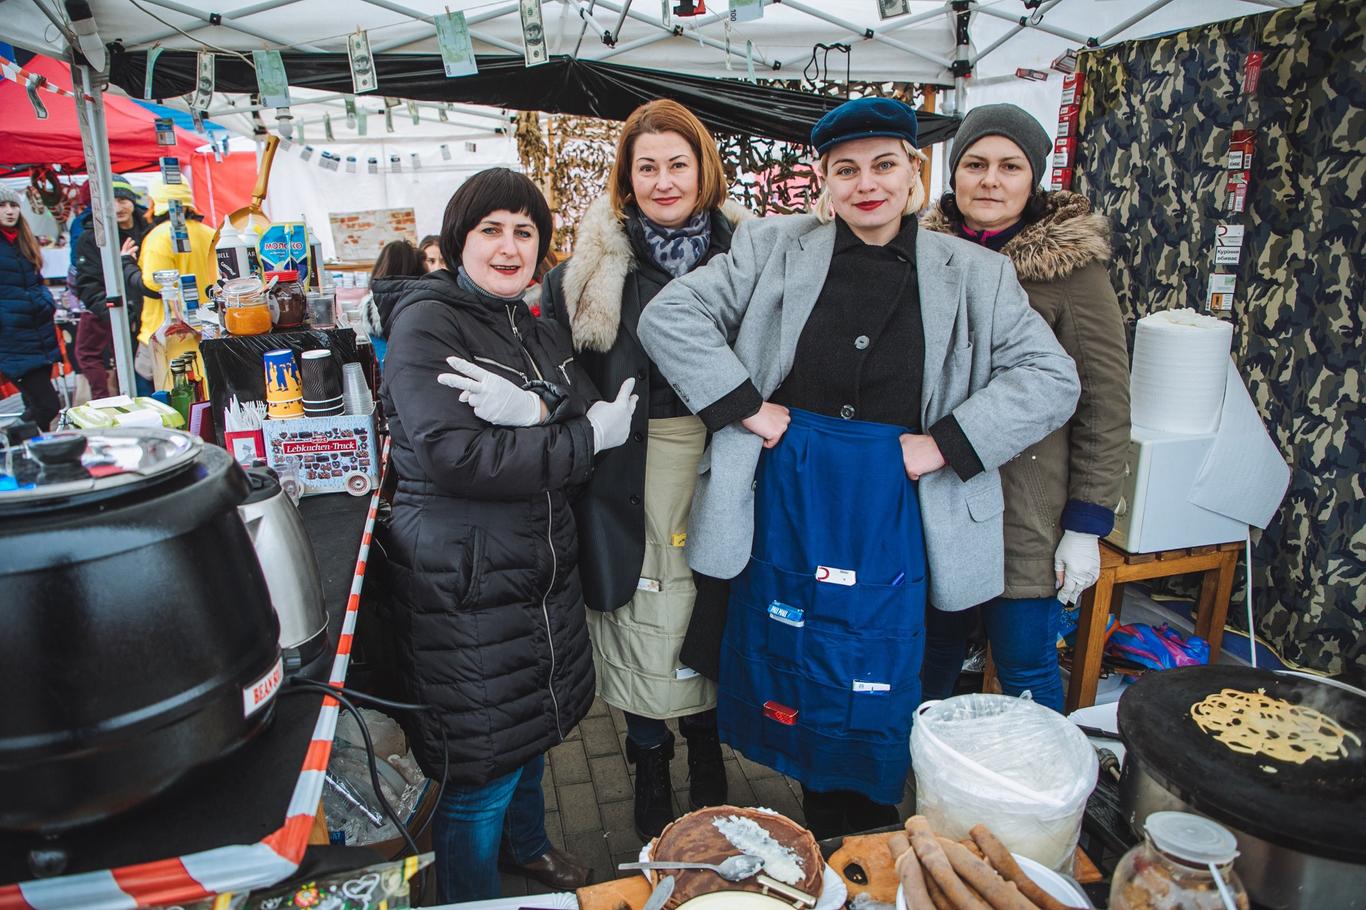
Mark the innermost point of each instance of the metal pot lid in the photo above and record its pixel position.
(71, 466)
(1318, 807)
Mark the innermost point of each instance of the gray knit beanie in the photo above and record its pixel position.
(9, 195)
(1015, 123)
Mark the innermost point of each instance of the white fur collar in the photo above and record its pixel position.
(596, 274)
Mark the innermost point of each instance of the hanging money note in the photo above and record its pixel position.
(886, 9)
(453, 37)
(203, 89)
(271, 81)
(746, 10)
(533, 33)
(363, 75)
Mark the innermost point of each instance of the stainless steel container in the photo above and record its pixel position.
(1278, 877)
(290, 566)
(1301, 828)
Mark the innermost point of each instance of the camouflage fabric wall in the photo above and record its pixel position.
(1155, 125)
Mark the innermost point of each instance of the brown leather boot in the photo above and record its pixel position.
(555, 869)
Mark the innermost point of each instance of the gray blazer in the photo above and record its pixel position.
(990, 360)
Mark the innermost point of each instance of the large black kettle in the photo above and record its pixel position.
(139, 639)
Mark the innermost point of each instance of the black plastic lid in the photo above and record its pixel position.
(1318, 808)
(264, 483)
(76, 467)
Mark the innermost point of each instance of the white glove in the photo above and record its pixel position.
(1077, 562)
(611, 420)
(493, 398)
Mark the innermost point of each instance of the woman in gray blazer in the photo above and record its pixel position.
(883, 374)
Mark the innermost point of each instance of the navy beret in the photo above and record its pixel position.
(862, 118)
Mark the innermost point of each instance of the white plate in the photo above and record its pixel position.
(833, 890)
(1057, 887)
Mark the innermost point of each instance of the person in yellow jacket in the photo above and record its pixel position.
(158, 252)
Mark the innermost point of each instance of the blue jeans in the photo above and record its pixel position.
(471, 823)
(1023, 634)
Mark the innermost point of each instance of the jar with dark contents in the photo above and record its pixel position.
(289, 303)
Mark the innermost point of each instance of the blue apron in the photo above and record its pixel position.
(820, 663)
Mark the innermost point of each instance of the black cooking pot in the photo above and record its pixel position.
(1301, 828)
(139, 639)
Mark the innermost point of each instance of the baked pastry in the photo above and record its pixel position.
(789, 851)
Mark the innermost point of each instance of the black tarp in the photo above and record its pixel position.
(562, 86)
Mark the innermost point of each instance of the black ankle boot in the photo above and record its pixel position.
(654, 796)
(706, 770)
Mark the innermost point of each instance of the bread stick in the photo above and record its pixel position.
(909, 871)
(999, 856)
(938, 867)
(999, 893)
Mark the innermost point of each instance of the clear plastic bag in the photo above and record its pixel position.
(1019, 768)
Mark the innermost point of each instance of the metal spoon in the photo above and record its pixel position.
(733, 868)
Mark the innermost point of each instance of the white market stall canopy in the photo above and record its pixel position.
(919, 46)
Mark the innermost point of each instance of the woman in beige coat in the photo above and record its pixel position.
(665, 213)
(1061, 492)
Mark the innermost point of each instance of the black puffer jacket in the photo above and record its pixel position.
(488, 612)
(90, 270)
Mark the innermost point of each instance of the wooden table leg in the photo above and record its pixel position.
(1095, 612)
(1216, 587)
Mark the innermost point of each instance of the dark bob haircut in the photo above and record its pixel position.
(490, 191)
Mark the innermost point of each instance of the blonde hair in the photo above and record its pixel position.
(668, 116)
(824, 207)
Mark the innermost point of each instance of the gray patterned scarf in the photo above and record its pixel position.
(677, 250)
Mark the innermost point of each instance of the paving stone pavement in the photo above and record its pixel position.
(589, 788)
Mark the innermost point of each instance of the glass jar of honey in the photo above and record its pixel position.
(245, 309)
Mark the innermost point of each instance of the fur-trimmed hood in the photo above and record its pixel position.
(1067, 237)
(596, 273)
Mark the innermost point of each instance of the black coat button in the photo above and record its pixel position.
(638, 437)
(635, 500)
(640, 375)
(861, 342)
(847, 412)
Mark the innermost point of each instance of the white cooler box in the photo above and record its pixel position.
(1153, 512)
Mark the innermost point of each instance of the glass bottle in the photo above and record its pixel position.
(174, 337)
(1181, 863)
(182, 395)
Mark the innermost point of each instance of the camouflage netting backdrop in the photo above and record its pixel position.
(1155, 126)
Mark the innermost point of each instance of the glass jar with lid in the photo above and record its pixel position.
(245, 308)
(1185, 861)
(290, 302)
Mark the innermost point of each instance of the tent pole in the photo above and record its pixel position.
(95, 135)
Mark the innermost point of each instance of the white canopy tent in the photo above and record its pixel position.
(973, 45)
(475, 138)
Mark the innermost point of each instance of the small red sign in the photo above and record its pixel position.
(1062, 178)
(781, 713)
(1063, 149)
(1072, 85)
(316, 445)
(1252, 72)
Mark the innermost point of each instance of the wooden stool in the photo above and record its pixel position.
(1217, 565)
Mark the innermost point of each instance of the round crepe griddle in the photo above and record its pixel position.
(1318, 807)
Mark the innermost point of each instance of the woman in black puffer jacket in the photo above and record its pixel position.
(482, 547)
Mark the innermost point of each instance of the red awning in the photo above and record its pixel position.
(26, 141)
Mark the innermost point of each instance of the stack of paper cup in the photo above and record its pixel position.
(355, 390)
(322, 385)
(284, 392)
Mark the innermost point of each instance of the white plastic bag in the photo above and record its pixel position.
(1017, 767)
